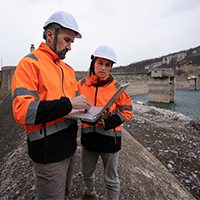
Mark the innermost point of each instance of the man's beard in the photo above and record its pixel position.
(61, 54)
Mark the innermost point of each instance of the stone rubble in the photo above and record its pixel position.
(172, 138)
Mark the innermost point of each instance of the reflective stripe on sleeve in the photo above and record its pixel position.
(24, 91)
(123, 108)
(32, 56)
(121, 116)
(126, 107)
(32, 112)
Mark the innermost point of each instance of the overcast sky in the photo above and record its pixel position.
(135, 29)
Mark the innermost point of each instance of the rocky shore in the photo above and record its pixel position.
(172, 138)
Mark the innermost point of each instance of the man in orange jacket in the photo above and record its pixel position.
(44, 90)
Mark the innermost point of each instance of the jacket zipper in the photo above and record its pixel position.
(115, 136)
(62, 78)
(46, 141)
(95, 98)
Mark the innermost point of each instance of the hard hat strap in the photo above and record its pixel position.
(55, 38)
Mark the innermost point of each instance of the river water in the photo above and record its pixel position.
(186, 102)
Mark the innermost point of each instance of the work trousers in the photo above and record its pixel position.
(110, 161)
(53, 179)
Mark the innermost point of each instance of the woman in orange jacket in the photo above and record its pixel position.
(104, 137)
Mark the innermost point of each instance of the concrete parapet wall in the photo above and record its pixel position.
(6, 78)
(0, 76)
(181, 82)
(138, 83)
(81, 74)
(0, 80)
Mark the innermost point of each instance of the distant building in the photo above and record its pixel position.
(32, 48)
(161, 85)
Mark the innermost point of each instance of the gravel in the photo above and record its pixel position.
(172, 138)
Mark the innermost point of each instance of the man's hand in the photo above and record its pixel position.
(80, 102)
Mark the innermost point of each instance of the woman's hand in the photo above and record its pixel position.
(101, 123)
(105, 114)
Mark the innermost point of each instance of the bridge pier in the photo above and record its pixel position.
(161, 85)
(194, 82)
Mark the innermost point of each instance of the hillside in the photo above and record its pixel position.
(181, 62)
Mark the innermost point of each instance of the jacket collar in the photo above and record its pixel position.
(50, 53)
(95, 78)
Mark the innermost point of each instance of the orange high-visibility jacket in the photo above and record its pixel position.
(94, 137)
(41, 87)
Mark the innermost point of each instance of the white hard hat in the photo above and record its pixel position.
(104, 51)
(64, 19)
